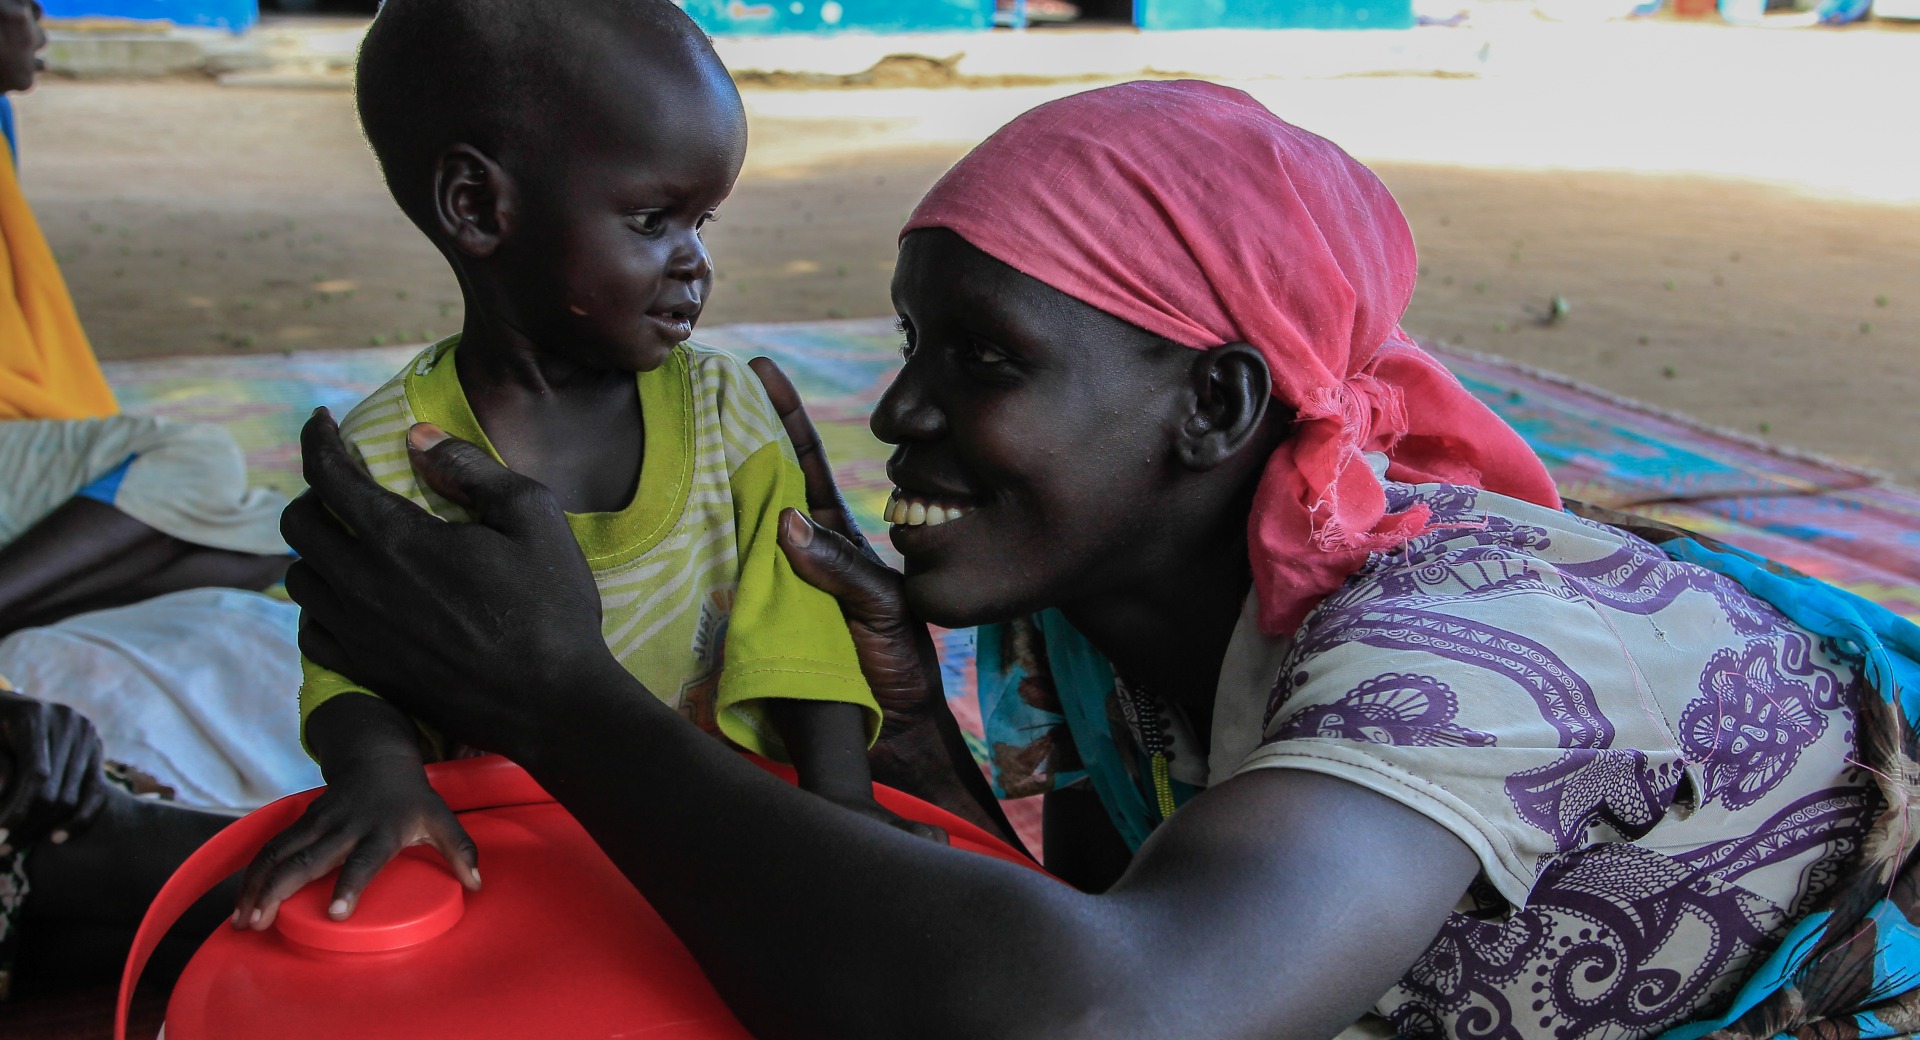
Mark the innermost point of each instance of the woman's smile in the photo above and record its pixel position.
(906, 509)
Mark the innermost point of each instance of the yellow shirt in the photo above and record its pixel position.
(699, 602)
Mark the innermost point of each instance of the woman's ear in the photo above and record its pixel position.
(473, 200)
(1231, 402)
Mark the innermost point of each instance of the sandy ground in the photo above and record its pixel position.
(1734, 240)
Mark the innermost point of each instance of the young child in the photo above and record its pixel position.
(564, 158)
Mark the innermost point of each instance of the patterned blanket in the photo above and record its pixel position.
(1841, 525)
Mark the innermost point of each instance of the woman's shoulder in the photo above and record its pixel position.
(1487, 552)
(1548, 683)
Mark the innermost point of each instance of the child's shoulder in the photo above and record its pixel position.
(715, 365)
(726, 391)
(383, 417)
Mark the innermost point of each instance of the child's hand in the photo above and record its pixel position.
(875, 811)
(358, 824)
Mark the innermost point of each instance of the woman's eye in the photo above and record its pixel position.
(985, 355)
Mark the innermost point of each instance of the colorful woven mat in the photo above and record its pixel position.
(1837, 524)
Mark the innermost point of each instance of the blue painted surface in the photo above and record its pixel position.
(767, 17)
(7, 131)
(219, 14)
(1273, 14)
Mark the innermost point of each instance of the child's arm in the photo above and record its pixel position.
(827, 742)
(377, 802)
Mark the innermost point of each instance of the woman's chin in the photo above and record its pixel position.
(947, 598)
(943, 599)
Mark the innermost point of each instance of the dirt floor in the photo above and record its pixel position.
(1754, 265)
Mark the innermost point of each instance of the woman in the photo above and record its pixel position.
(97, 509)
(1340, 722)
(100, 510)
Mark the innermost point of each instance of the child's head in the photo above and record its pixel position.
(21, 39)
(563, 156)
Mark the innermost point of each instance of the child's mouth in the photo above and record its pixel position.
(676, 324)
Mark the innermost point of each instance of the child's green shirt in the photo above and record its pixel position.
(699, 602)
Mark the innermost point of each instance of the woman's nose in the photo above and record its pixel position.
(690, 262)
(907, 411)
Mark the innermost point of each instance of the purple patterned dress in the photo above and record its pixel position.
(1652, 765)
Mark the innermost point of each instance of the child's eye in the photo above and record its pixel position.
(709, 217)
(649, 221)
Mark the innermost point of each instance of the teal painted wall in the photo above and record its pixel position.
(1273, 14)
(758, 17)
(220, 14)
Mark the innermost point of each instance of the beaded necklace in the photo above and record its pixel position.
(1144, 712)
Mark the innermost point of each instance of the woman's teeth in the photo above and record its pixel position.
(908, 511)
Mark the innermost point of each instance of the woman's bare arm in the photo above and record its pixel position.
(1277, 905)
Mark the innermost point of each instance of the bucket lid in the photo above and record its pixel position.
(409, 902)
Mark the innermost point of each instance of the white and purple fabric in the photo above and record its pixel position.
(1657, 769)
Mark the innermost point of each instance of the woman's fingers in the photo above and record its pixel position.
(464, 473)
(824, 501)
(345, 489)
(868, 591)
(319, 607)
(822, 493)
(895, 650)
(310, 530)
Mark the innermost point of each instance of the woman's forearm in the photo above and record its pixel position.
(862, 931)
(1278, 907)
(932, 763)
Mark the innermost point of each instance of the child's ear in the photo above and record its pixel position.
(473, 200)
(1232, 393)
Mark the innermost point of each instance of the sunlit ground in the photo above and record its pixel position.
(1733, 215)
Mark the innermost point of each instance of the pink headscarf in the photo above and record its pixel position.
(1189, 210)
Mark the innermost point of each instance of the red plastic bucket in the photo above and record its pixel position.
(556, 943)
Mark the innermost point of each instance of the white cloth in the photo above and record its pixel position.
(186, 480)
(196, 688)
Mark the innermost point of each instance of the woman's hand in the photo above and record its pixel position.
(458, 624)
(896, 652)
(51, 784)
(921, 749)
(359, 823)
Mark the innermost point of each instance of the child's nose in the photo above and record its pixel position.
(690, 262)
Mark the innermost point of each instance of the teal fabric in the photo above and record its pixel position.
(1828, 953)
(1078, 688)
